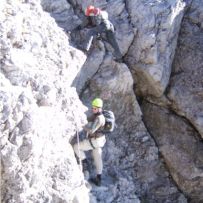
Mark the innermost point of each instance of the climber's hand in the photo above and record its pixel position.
(99, 37)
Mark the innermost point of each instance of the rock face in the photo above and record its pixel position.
(180, 137)
(62, 12)
(130, 151)
(150, 56)
(42, 76)
(186, 82)
(182, 150)
(38, 108)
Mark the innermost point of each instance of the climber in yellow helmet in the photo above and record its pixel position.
(95, 140)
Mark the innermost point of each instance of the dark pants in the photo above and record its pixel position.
(110, 36)
(112, 41)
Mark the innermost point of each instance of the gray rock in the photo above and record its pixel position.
(130, 151)
(185, 90)
(38, 163)
(179, 144)
(40, 111)
(62, 12)
(151, 53)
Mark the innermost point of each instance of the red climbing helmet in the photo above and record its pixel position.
(92, 11)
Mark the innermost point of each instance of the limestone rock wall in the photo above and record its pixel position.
(150, 56)
(186, 84)
(39, 111)
(131, 158)
(180, 146)
(154, 155)
(175, 119)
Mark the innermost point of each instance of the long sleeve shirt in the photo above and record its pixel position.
(95, 123)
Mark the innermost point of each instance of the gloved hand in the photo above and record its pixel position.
(99, 37)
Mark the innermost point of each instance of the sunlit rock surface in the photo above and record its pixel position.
(43, 75)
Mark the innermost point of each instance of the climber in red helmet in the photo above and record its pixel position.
(92, 11)
(100, 24)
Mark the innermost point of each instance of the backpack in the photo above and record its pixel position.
(109, 121)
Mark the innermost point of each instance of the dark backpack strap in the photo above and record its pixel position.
(90, 141)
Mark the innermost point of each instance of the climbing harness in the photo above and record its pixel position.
(90, 141)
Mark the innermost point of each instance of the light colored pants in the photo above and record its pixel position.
(85, 145)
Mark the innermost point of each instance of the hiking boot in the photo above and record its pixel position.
(96, 180)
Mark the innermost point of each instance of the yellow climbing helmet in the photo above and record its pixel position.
(97, 102)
